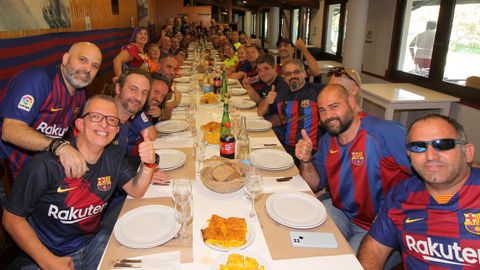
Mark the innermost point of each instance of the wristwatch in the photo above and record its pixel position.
(155, 163)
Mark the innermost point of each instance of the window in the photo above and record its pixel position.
(438, 45)
(265, 25)
(334, 21)
(254, 24)
(295, 24)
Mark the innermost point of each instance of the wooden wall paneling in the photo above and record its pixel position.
(100, 12)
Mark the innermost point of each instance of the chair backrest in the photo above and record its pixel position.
(473, 81)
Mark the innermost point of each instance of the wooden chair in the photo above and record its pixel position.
(473, 81)
(8, 248)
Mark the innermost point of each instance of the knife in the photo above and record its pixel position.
(284, 179)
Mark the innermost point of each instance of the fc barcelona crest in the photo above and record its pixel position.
(357, 158)
(472, 222)
(305, 103)
(104, 183)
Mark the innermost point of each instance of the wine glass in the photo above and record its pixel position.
(183, 199)
(199, 153)
(253, 187)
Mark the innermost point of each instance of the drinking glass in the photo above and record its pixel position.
(199, 154)
(253, 187)
(183, 199)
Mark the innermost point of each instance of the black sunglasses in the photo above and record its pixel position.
(438, 145)
(339, 71)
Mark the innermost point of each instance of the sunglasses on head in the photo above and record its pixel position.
(438, 145)
(339, 71)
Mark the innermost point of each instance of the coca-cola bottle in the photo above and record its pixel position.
(227, 140)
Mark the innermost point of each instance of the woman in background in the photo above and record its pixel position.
(132, 55)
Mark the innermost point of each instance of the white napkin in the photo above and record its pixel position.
(164, 261)
(259, 142)
(176, 140)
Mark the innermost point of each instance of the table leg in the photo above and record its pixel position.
(445, 110)
(389, 113)
(404, 117)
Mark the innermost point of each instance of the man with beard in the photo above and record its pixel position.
(39, 105)
(297, 108)
(361, 158)
(435, 211)
(286, 52)
(167, 65)
(348, 78)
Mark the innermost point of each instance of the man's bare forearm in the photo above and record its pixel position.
(20, 134)
(372, 254)
(139, 184)
(310, 174)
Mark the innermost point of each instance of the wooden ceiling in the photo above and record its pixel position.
(254, 5)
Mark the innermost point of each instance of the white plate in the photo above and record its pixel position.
(222, 259)
(271, 159)
(187, 62)
(237, 91)
(296, 210)
(249, 237)
(232, 81)
(244, 104)
(171, 159)
(182, 80)
(182, 87)
(185, 67)
(258, 125)
(146, 227)
(171, 126)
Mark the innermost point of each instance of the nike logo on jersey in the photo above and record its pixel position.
(334, 151)
(62, 190)
(408, 220)
(56, 109)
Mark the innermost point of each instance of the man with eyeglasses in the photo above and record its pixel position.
(360, 158)
(297, 107)
(433, 217)
(56, 219)
(348, 78)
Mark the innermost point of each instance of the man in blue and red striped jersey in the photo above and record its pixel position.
(39, 104)
(247, 70)
(434, 217)
(360, 158)
(297, 108)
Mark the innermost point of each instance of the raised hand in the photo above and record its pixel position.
(272, 95)
(303, 148)
(146, 151)
(299, 44)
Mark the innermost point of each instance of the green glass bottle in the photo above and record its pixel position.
(223, 90)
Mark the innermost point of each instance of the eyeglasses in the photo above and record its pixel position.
(290, 73)
(339, 71)
(438, 145)
(98, 117)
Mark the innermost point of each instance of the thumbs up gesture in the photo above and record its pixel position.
(303, 148)
(272, 95)
(146, 151)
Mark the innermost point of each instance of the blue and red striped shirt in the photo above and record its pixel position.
(299, 110)
(361, 173)
(40, 98)
(432, 235)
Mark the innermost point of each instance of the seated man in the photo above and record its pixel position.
(297, 107)
(247, 70)
(434, 216)
(361, 158)
(56, 219)
(286, 52)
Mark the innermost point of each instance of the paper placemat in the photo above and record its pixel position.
(277, 236)
(188, 169)
(182, 139)
(115, 250)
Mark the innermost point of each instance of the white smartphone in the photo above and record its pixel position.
(313, 239)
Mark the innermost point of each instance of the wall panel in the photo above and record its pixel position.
(100, 12)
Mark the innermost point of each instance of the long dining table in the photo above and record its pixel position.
(271, 240)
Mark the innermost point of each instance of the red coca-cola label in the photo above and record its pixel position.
(227, 148)
(217, 82)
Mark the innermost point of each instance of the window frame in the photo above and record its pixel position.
(341, 31)
(434, 81)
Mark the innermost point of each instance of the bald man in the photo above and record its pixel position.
(360, 158)
(39, 105)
